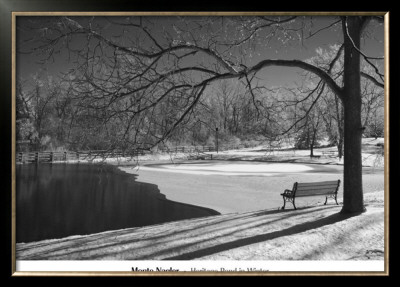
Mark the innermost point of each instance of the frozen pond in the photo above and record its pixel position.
(230, 168)
(241, 186)
(59, 200)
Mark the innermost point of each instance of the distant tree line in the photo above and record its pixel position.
(52, 115)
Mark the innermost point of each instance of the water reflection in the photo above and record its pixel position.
(59, 200)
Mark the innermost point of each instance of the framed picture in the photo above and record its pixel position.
(199, 143)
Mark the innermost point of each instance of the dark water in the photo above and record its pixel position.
(59, 200)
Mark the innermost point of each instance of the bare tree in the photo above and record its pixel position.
(372, 109)
(125, 68)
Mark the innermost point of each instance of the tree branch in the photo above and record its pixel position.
(192, 105)
(307, 112)
(324, 28)
(302, 65)
(332, 64)
(366, 58)
(372, 79)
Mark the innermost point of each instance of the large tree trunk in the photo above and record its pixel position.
(352, 178)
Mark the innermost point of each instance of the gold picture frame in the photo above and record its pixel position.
(129, 273)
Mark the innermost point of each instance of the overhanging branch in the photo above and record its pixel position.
(302, 65)
(372, 79)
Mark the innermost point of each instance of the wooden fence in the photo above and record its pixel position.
(187, 149)
(56, 156)
(191, 149)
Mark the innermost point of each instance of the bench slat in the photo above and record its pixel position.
(316, 187)
(334, 182)
(316, 192)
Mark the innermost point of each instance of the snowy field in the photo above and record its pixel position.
(309, 233)
(313, 232)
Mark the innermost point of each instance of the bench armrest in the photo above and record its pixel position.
(287, 192)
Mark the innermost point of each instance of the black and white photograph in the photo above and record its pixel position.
(200, 143)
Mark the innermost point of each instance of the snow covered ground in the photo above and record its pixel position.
(372, 155)
(317, 232)
(313, 232)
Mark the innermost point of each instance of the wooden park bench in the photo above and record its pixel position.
(322, 188)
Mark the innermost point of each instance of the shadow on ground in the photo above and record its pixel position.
(334, 218)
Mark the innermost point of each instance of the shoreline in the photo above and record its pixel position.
(251, 205)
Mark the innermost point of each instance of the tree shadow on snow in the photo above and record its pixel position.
(334, 218)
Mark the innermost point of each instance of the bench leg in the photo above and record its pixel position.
(334, 197)
(288, 199)
(294, 204)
